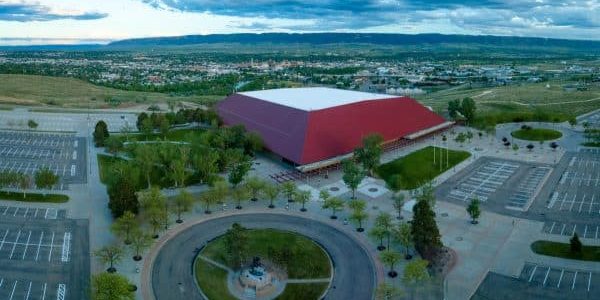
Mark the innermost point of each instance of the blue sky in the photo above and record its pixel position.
(73, 21)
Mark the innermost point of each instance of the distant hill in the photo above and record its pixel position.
(356, 38)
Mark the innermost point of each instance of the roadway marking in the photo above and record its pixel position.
(532, 273)
(51, 246)
(44, 292)
(26, 245)
(589, 282)
(546, 277)
(6, 233)
(13, 290)
(15, 245)
(562, 272)
(28, 291)
(574, 280)
(66, 248)
(37, 254)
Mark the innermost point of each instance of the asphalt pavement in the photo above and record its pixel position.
(354, 271)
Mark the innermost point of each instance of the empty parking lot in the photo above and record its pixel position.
(43, 254)
(26, 152)
(566, 280)
(484, 181)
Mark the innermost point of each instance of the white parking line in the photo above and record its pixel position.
(15, 245)
(44, 291)
(13, 290)
(562, 272)
(589, 282)
(26, 245)
(532, 273)
(66, 248)
(574, 279)
(546, 277)
(585, 231)
(28, 291)
(37, 253)
(582, 201)
(563, 229)
(574, 226)
(6, 233)
(51, 246)
(552, 228)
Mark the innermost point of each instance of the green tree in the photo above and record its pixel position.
(467, 109)
(379, 234)
(289, 189)
(236, 244)
(206, 165)
(32, 124)
(353, 175)
(100, 133)
(24, 183)
(239, 170)
(390, 258)
(255, 186)
(145, 157)
(156, 208)
(474, 210)
(369, 154)
(178, 172)
(453, 108)
(182, 203)
(415, 273)
(302, 197)
(402, 235)
(122, 196)
(425, 231)
(271, 191)
(124, 226)
(164, 126)
(324, 195)
(384, 220)
(109, 255)
(240, 194)
(140, 241)
(575, 244)
(398, 199)
(45, 179)
(208, 198)
(113, 145)
(426, 193)
(147, 128)
(358, 214)
(107, 286)
(335, 204)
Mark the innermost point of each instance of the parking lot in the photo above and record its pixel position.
(43, 255)
(528, 187)
(571, 282)
(25, 289)
(589, 231)
(26, 152)
(484, 181)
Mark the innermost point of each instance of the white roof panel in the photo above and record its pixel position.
(313, 98)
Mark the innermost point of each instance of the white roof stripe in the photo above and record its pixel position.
(313, 98)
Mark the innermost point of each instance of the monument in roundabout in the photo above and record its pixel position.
(257, 281)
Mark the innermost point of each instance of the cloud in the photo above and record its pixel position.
(21, 11)
(478, 16)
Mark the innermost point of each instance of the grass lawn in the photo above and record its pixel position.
(308, 259)
(212, 281)
(536, 134)
(302, 291)
(418, 168)
(563, 250)
(591, 144)
(75, 93)
(34, 197)
(105, 163)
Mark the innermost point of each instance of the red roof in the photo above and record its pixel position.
(310, 136)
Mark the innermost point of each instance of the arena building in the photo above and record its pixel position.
(315, 127)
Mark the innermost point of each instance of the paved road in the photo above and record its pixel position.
(172, 270)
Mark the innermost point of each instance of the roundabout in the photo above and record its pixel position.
(172, 273)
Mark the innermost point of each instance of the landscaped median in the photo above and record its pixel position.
(536, 134)
(419, 167)
(563, 250)
(34, 197)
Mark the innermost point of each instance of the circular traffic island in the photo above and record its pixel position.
(262, 264)
(528, 133)
(283, 256)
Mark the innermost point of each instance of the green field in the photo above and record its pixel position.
(74, 93)
(536, 134)
(522, 102)
(563, 250)
(310, 260)
(417, 168)
(212, 281)
(34, 197)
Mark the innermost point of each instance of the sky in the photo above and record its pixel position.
(25, 22)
